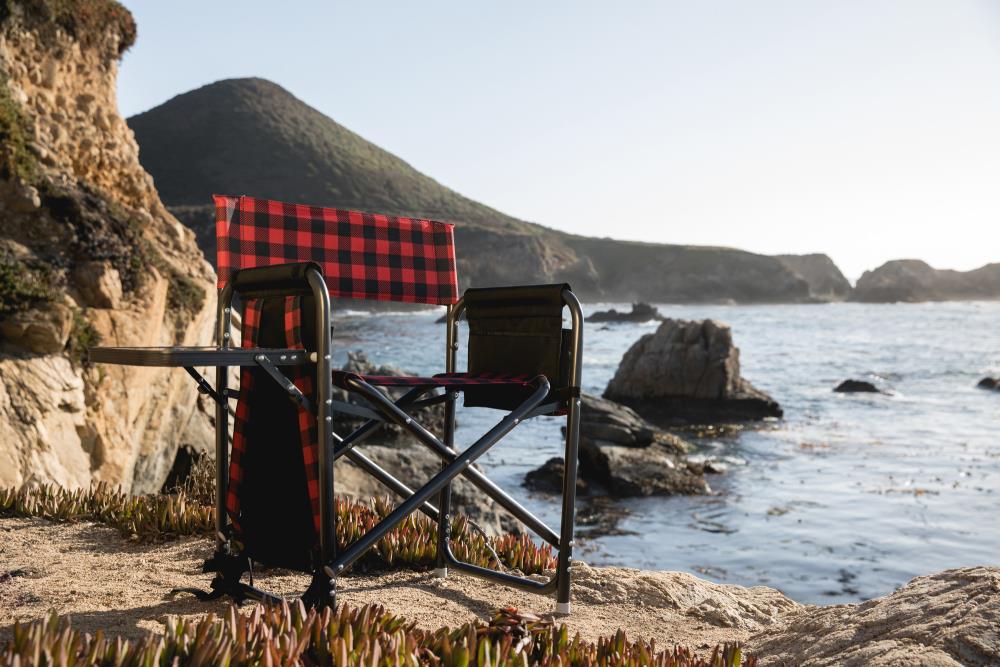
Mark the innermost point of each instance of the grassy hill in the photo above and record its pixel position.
(250, 136)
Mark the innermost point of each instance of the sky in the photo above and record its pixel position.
(865, 129)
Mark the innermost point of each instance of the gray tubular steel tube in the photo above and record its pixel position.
(360, 434)
(571, 460)
(395, 414)
(383, 476)
(512, 580)
(324, 417)
(438, 482)
(444, 501)
(223, 338)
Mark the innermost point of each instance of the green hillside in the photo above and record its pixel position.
(250, 136)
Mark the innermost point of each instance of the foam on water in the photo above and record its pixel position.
(846, 498)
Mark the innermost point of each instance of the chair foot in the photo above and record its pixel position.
(562, 609)
(441, 573)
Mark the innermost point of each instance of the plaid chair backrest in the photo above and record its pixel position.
(363, 255)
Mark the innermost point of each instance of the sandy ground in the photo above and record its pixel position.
(102, 581)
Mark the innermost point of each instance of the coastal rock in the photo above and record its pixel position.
(99, 284)
(688, 372)
(89, 255)
(857, 386)
(41, 330)
(641, 312)
(431, 417)
(948, 618)
(413, 464)
(912, 280)
(989, 383)
(826, 282)
(549, 478)
(623, 455)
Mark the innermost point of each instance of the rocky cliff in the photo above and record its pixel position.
(88, 253)
(914, 280)
(826, 282)
(250, 136)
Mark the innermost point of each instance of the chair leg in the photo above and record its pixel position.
(444, 502)
(566, 542)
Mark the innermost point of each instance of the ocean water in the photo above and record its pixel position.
(845, 499)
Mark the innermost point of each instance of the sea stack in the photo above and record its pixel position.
(688, 372)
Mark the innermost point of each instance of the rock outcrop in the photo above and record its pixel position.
(948, 618)
(856, 387)
(989, 383)
(911, 280)
(826, 282)
(623, 455)
(688, 372)
(88, 254)
(641, 312)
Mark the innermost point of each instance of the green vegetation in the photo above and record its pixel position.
(273, 145)
(101, 230)
(184, 297)
(146, 517)
(163, 516)
(16, 131)
(291, 635)
(288, 634)
(22, 287)
(82, 336)
(84, 20)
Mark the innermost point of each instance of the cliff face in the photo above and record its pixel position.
(913, 280)
(250, 136)
(826, 282)
(635, 271)
(88, 254)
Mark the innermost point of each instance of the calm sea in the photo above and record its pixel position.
(847, 498)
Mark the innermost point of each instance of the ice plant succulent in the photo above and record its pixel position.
(370, 635)
(163, 516)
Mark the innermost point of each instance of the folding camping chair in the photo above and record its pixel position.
(275, 493)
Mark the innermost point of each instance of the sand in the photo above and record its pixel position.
(102, 581)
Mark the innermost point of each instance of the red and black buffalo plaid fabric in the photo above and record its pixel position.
(302, 377)
(447, 380)
(362, 255)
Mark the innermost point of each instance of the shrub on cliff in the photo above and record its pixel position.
(85, 20)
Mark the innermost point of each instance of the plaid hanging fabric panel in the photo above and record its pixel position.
(362, 255)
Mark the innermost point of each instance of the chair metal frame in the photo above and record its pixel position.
(230, 566)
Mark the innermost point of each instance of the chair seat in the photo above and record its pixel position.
(447, 380)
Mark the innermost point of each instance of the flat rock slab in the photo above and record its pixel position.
(950, 618)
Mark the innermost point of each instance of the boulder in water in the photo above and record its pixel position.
(688, 372)
(641, 312)
(989, 383)
(856, 387)
(624, 455)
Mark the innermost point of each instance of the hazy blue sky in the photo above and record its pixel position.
(866, 129)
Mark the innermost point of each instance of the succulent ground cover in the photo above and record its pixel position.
(164, 516)
(292, 635)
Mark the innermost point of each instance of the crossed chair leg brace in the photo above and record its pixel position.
(230, 567)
